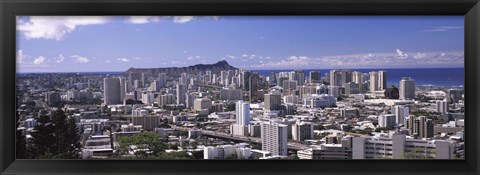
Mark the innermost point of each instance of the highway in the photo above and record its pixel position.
(291, 145)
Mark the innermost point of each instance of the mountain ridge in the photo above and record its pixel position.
(176, 71)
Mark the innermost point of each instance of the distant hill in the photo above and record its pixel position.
(176, 71)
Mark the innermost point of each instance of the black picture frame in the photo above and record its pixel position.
(11, 8)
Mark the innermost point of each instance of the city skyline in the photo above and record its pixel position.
(93, 44)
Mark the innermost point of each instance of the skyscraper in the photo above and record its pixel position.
(401, 113)
(314, 77)
(181, 90)
(382, 80)
(407, 88)
(253, 87)
(273, 101)
(374, 80)
(112, 91)
(162, 79)
(302, 131)
(442, 106)
(339, 77)
(274, 138)
(242, 111)
(420, 127)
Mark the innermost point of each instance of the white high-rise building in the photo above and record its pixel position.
(442, 106)
(274, 138)
(302, 131)
(374, 85)
(386, 120)
(382, 80)
(242, 110)
(401, 113)
(112, 91)
(407, 88)
(181, 90)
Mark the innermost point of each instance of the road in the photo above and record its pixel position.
(216, 134)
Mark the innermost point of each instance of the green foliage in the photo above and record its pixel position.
(146, 144)
(55, 137)
(319, 127)
(388, 128)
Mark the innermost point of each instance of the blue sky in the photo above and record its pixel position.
(89, 44)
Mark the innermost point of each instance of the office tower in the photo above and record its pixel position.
(442, 106)
(298, 76)
(386, 120)
(181, 90)
(454, 95)
(131, 79)
(351, 88)
(334, 91)
(166, 99)
(382, 80)
(112, 91)
(290, 84)
(189, 99)
(143, 80)
(223, 76)
(302, 131)
(209, 74)
(293, 99)
(401, 113)
(339, 77)
(136, 84)
(420, 127)
(162, 80)
(314, 77)
(407, 88)
(148, 98)
(52, 98)
(322, 89)
(242, 111)
(230, 75)
(245, 80)
(327, 78)
(274, 138)
(148, 122)
(242, 119)
(155, 86)
(374, 80)
(273, 101)
(202, 103)
(253, 87)
(214, 79)
(272, 79)
(357, 78)
(392, 93)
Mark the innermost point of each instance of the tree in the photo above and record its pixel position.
(145, 145)
(42, 137)
(230, 107)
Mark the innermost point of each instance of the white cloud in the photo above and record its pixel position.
(20, 57)
(55, 27)
(123, 60)
(60, 58)
(193, 57)
(245, 55)
(183, 19)
(292, 61)
(108, 61)
(420, 55)
(80, 59)
(39, 60)
(401, 54)
(142, 19)
(442, 29)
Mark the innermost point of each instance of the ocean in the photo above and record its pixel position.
(444, 77)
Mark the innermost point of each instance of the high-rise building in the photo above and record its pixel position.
(148, 122)
(148, 98)
(52, 98)
(315, 77)
(454, 95)
(162, 80)
(274, 138)
(112, 91)
(242, 111)
(339, 77)
(386, 120)
(441, 106)
(401, 113)
(292, 99)
(231, 94)
(392, 93)
(420, 127)
(181, 90)
(273, 101)
(253, 87)
(289, 84)
(298, 76)
(166, 99)
(202, 103)
(407, 88)
(374, 82)
(382, 80)
(302, 131)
